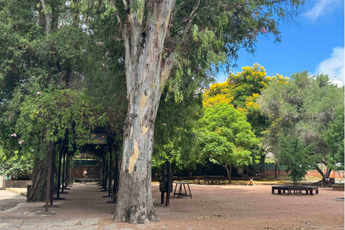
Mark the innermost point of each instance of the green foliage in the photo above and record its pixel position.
(295, 156)
(226, 137)
(303, 109)
(16, 165)
(50, 117)
(334, 138)
(175, 137)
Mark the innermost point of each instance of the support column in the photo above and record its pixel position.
(50, 153)
(106, 174)
(52, 175)
(62, 150)
(103, 174)
(67, 172)
(167, 202)
(162, 193)
(59, 174)
(63, 171)
(110, 168)
(116, 177)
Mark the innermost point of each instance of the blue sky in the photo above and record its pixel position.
(315, 42)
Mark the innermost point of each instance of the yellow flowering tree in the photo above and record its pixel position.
(241, 90)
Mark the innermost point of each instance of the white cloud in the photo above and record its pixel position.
(322, 7)
(221, 77)
(333, 66)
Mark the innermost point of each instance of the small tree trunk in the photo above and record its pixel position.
(39, 180)
(228, 171)
(146, 74)
(276, 171)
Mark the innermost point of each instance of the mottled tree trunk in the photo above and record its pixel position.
(39, 180)
(146, 73)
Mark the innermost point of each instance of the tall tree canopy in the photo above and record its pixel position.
(304, 109)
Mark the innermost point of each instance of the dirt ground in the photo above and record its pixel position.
(213, 207)
(245, 207)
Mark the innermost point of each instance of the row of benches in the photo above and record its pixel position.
(213, 179)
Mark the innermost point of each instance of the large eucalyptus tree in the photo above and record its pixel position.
(184, 39)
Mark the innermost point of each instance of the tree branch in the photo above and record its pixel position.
(176, 10)
(125, 4)
(192, 15)
(47, 18)
(319, 170)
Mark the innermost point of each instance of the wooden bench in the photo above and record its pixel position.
(297, 189)
(213, 179)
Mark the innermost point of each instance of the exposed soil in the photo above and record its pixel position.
(212, 207)
(249, 207)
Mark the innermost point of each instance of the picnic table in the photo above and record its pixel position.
(180, 191)
(296, 189)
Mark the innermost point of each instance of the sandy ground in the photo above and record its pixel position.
(212, 207)
(246, 207)
(9, 200)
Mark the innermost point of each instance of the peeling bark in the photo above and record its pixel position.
(146, 73)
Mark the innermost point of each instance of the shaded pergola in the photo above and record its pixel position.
(98, 144)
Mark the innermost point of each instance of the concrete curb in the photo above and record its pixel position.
(16, 191)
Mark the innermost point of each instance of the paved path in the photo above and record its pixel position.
(9, 200)
(84, 208)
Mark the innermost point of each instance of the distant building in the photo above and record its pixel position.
(270, 156)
